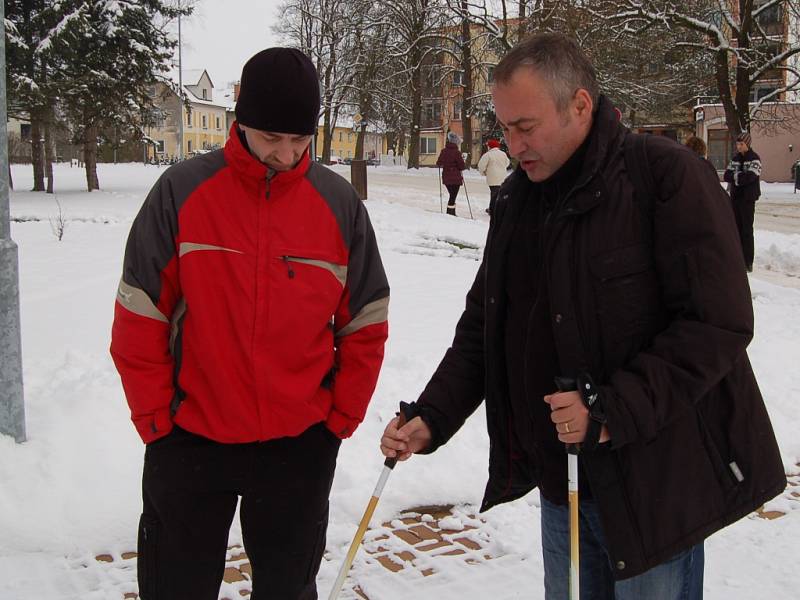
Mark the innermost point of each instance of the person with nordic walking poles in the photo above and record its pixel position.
(248, 333)
(494, 166)
(451, 163)
(611, 258)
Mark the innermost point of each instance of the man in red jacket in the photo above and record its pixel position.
(248, 332)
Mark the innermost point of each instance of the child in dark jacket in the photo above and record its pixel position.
(743, 176)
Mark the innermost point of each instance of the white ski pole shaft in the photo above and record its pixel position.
(362, 528)
(388, 465)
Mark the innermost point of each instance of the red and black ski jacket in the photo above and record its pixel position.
(252, 304)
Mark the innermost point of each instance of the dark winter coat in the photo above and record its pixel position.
(744, 176)
(451, 163)
(658, 310)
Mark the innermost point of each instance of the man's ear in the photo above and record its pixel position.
(582, 104)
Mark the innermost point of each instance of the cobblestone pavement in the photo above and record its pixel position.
(420, 539)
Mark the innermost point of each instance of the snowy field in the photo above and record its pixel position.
(72, 491)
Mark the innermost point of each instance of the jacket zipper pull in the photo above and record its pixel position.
(288, 267)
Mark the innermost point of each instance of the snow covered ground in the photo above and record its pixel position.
(72, 491)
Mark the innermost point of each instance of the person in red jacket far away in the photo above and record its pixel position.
(248, 333)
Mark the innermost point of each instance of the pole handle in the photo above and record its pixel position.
(568, 384)
(402, 420)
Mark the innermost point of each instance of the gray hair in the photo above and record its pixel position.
(558, 60)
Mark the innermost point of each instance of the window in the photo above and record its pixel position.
(427, 145)
(160, 146)
(218, 124)
(205, 94)
(189, 146)
(25, 131)
(340, 136)
(431, 114)
(757, 93)
(720, 146)
(457, 110)
(203, 121)
(490, 74)
(458, 78)
(189, 117)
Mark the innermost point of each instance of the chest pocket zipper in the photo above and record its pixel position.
(338, 271)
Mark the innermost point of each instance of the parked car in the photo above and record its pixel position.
(335, 160)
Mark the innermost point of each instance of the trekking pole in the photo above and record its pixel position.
(388, 465)
(468, 204)
(441, 207)
(567, 384)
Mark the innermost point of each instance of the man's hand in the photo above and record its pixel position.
(571, 417)
(410, 438)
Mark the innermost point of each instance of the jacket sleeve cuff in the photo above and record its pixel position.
(341, 425)
(153, 426)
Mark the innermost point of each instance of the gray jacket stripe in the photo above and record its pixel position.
(151, 244)
(372, 313)
(366, 279)
(138, 302)
(187, 247)
(180, 310)
(338, 271)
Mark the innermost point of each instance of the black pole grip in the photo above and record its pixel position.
(405, 415)
(568, 384)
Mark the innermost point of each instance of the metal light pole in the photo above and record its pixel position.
(180, 87)
(12, 407)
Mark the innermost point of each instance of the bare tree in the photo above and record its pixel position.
(746, 39)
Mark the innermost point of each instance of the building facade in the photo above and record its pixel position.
(205, 126)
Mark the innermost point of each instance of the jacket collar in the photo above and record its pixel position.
(249, 168)
(605, 136)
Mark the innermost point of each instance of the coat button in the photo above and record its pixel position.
(597, 194)
(491, 300)
(621, 565)
(558, 318)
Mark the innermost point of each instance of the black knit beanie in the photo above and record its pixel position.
(279, 92)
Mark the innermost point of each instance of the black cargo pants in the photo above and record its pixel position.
(190, 489)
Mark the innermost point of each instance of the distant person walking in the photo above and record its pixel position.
(452, 163)
(744, 178)
(494, 166)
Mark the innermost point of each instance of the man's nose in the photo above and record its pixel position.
(285, 153)
(515, 144)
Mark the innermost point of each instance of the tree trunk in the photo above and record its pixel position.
(522, 28)
(37, 152)
(90, 157)
(416, 116)
(362, 132)
(466, 98)
(49, 155)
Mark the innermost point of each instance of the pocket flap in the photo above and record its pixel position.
(621, 261)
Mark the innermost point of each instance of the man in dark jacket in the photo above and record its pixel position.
(451, 163)
(643, 301)
(744, 184)
(248, 332)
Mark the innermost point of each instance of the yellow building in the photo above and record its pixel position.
(204, 120)
(343, 141)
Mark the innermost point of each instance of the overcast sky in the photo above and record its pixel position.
(222, 34)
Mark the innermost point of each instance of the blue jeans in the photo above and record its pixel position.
(679, 578)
